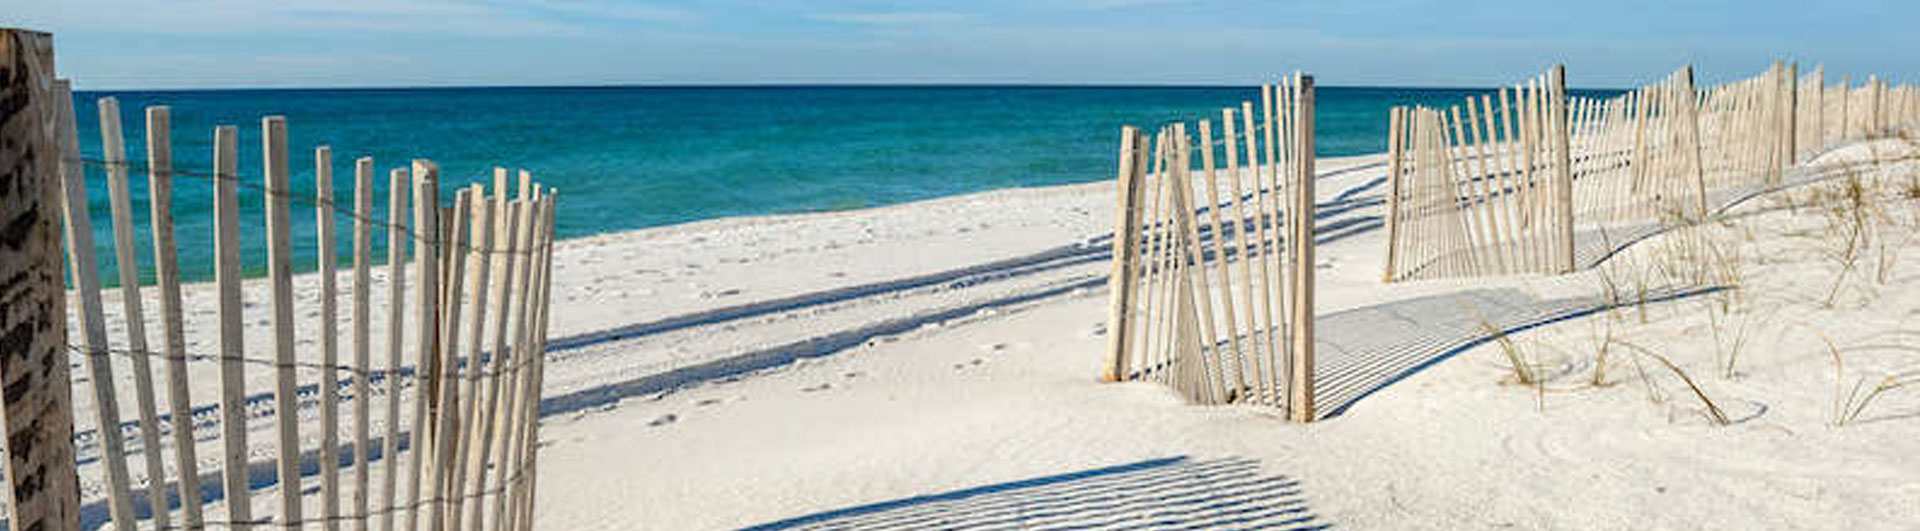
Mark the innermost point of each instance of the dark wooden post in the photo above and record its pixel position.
(42, 489)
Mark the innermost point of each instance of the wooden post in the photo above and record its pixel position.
(1876, 124)
(1396, 150)
(1846, 100)
(1820, 107)
(362, 342)
(1563, 171)
(397, 193)
(113, 145)
(1303, 246)
(481, 262)
(329, 342)
(1125, 254)
(166, 269)
(1792, 106)
(226, 277)
(1692, 117)
(42, 490)
(93, 325)
(286, 400)
(426, 258)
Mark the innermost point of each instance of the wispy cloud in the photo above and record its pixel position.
(620, 11)
(1124, 4)
(417, 17)
(894, 18)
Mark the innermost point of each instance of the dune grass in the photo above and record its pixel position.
(1713, 411)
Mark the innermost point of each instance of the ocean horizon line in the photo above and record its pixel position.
(788, 86)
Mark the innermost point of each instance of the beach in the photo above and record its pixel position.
(1117, 265)
(997, 417)
(939, 359)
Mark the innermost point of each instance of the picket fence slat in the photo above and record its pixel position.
(426, 257)
(480, 277)
(329, 388)
(286, 400)
(363, 171)
(398, 190)
(93, 321)
(166, 259)
(447, 404)
(120, 204)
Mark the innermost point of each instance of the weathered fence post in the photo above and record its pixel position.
(1699, 168)
(1875, 123)
(1303, 243)
(1792, 87)
(1820, 107)
(1563, 169)
(1846, 101)
(78, 224)
(42, 490)
(1396, 150)
(1127, 188)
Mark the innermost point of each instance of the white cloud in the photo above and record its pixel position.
(248, 17)
(1124, 4)
(898, 18)
(626, 11)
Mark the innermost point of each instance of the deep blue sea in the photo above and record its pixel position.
(633, 157)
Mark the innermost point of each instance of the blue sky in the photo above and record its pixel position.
(115, 44)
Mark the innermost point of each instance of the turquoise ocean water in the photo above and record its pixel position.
(634, 157)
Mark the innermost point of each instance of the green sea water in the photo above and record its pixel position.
(626, 158)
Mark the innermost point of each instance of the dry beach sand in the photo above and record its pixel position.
(932, 365)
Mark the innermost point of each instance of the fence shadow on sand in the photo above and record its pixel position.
(1367, 349)
(1166, 493)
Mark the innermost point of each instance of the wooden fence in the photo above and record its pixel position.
(1458, 204)
(1212, 283)
(1549, 183)
(470, 376)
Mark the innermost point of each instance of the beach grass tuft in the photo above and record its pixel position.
(1713, 411)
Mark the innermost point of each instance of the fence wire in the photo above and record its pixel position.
(375, 221)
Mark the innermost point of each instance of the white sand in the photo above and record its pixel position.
(974, 390)
(970, 423)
